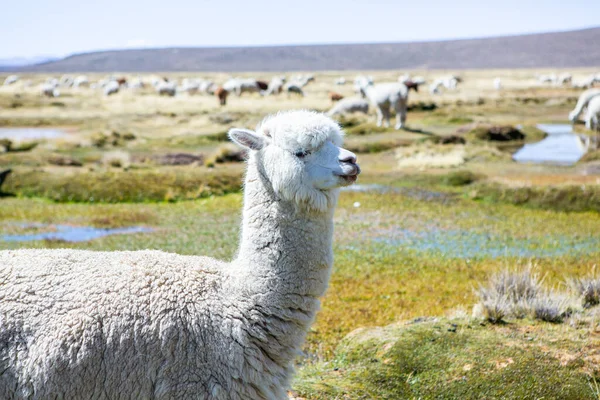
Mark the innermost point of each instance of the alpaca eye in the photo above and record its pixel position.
(302, 154)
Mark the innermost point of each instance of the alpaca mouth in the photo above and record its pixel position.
(351, 177)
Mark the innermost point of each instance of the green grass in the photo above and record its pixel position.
(452, 359)
(561, 198)
(116, 186)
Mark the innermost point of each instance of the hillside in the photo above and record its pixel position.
(559, 49)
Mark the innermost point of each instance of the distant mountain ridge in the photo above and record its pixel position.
(580, 48)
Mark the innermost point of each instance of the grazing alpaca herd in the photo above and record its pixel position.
(149, 324)
(383, 97)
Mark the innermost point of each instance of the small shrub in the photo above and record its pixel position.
(511, 293)
(64, 161)
(550, 306)
(491, 133)
(227, 153)
(588, 288)
(452, 139)
(99, 140)
(179, 159)
(5, 145)
(461, 178)
(25, 146)
(365, 128)
(117, 159)
(422, 106)
(216, 137)
(515, 286)
(495, 309)
(348, 122)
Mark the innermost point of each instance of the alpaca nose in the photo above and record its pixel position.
(347, 157)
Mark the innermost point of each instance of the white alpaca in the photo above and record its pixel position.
(49, 90)
(563, 79)
(10, 80)
(350, 105)
(206, 87)
(167, 88)
(592, 115)
(111, 88)
(582, 102)
(80, 81)
(189, 86)
(386, 95)
(239, 86)
(154, 325)
(497, 83)
(275, 86)
(361, 81)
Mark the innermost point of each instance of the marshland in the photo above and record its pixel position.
(459, 272)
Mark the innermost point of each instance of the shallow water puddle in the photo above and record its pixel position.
(68, 233)
(24, 134)
(466, 244)
(562, 147)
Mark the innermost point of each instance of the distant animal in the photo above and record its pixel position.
(189, 86)
(497, 83)
(11, 79)
(302, 80)
(121, 81)
(333, 96)
(111, 88)
(239, 86)
(564, 79)
(275, 86)
(167, 89)
(412, 85)
(49, 90)
(80, 81)
(360, 81)
(340, 81)
(66, 81)
(550, 78)
(293, 88)
(350, 105)
(586, 83)
(262, 85)
(450, 83)
(222, 95)
(592, 115)
(582, 103)
(386, 95)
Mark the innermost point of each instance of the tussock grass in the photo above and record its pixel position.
(114, 186)
(587, 288)
(559, 198)
(520, 294)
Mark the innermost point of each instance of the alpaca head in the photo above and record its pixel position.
(299, 154)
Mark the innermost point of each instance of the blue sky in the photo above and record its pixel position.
(62, 27)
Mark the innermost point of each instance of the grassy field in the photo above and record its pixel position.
(435, 221)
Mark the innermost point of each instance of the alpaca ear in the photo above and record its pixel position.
(247, 138)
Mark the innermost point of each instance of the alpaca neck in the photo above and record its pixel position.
(288, 248)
